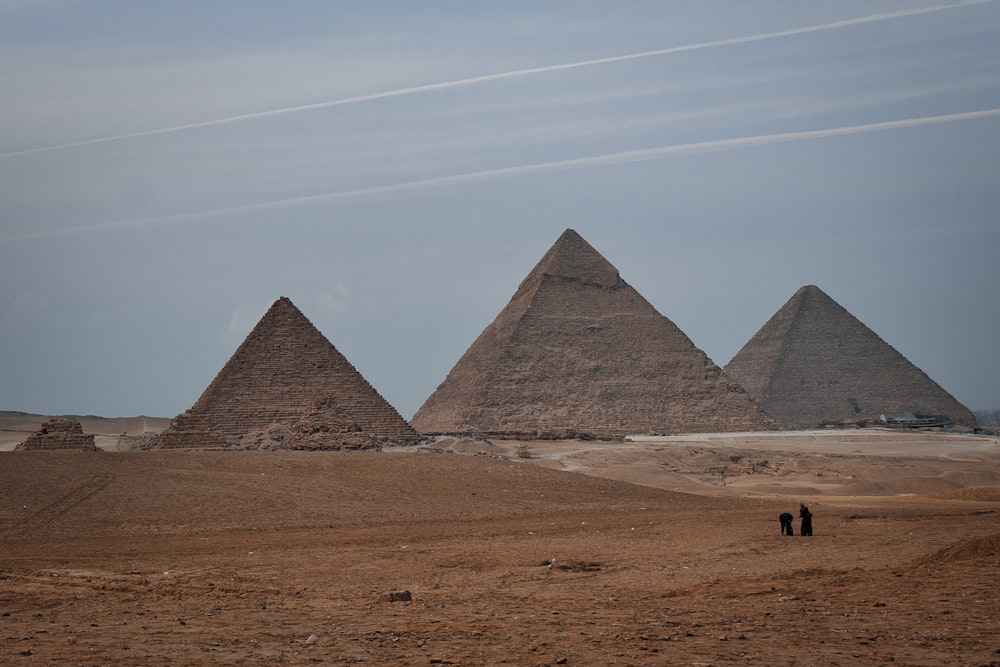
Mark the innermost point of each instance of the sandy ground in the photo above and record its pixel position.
(802, 463)
(662, 552)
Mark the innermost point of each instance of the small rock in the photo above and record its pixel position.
(401, 595)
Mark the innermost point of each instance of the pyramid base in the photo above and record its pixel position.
(191, 440)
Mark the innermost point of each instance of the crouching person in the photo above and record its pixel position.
(786, 523)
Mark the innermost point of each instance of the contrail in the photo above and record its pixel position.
(623, 157)
(485, 78)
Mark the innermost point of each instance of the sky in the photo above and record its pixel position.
(168, 170)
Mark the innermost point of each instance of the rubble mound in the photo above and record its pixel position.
(983, 550)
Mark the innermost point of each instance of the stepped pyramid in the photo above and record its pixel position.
(814, 363)
(60, 433)
(287, 386)
(577, 351)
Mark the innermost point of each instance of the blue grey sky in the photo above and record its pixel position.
(168, 170)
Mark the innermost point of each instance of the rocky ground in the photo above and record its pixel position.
(662, 552)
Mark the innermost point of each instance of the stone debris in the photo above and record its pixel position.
(137, 443)
(401, 595)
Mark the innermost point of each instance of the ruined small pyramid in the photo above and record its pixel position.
(813, 363)
(59, 433)
(577, 351)
(287, 386)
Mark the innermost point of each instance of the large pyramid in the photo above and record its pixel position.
(287, 386)
(814, 363)
(578, 351)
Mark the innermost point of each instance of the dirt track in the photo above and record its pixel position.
(225, 558)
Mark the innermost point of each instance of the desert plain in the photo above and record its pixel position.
(648, 551)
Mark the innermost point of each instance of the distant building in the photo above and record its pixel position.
(911, 420)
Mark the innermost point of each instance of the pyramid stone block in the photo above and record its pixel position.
(288, 386)
(814, 364)
(578, 351)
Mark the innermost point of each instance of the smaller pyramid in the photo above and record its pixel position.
(287, 386)
(59, 433)
(578, 351)
(813, 364)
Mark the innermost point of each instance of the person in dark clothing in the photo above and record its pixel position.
(807, 520)
(786, 523)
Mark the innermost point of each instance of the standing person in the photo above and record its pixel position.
(786, 523)
(807, 519)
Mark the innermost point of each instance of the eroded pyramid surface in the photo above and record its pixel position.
(59, 433)
(578, 351)
(287, 385)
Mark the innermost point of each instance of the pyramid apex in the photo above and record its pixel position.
(810, 297)
(281, 309)
(808, 290)
(572, 258)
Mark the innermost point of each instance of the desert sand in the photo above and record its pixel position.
(651, 551)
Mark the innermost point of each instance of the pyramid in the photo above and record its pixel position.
(813, 363)
(287, 386)
(59, 433)
(577, 351)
